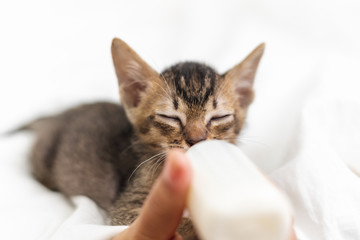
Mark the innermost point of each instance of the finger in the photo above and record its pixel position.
(292, 234)
(164, 207)
(177, 237)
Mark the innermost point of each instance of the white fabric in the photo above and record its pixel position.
(303, 128)
(324, 191)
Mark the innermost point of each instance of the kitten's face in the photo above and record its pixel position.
(185, 104)
(192, 103)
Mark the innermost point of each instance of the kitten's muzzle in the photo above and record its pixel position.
(195, 132)
(195, 139)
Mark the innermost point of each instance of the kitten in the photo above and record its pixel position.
(113, 153)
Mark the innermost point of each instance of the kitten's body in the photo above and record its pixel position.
(85, 151)
(113, 153)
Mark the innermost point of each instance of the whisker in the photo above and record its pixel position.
(249, 137)
(130, 146)
(251, 140)
(147, 160)
(242, 140)
(255, 142)
(160, 162)
(156, 165)
(153, 164)
(167, 94)
(165, 81)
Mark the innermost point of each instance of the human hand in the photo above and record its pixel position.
(163, 209)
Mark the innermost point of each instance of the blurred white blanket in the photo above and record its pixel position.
(324, 191)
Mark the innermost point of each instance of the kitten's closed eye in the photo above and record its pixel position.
(221, 118)
(169, 119)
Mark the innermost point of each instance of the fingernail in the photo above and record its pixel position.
(173, 170)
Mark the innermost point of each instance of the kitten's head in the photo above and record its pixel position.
(185, 104)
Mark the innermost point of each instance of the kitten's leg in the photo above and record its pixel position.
(61, 164)
(187, 230)
(43, 153)
(128, 206)
(100, 185)
(130, 201)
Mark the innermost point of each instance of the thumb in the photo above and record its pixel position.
(163, 209)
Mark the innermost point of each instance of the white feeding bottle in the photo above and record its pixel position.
(230, 199)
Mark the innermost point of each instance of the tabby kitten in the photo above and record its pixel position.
(113, 153)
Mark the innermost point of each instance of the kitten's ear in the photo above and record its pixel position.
(242, 75)
(134, 74)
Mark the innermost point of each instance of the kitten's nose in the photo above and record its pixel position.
(195, 133)
(191, 142)
(193, 139)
